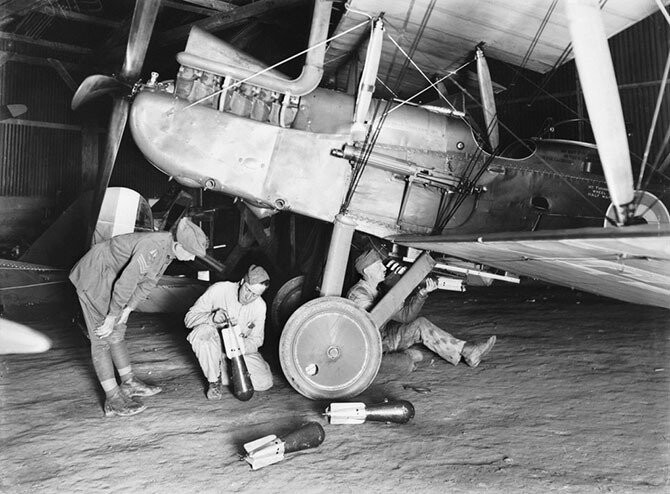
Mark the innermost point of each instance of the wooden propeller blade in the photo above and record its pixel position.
(95, 86)
(117, 124)
(141, 28)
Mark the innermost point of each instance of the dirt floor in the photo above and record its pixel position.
(574, 398)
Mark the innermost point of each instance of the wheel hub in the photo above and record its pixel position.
(333, 352)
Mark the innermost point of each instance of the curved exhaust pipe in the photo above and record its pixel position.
(239, 66)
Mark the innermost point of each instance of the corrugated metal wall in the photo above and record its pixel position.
(639, 56)
(42, 155)
(37, 160)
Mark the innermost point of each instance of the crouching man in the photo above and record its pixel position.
(112, 279)
(246, 310)
(406, 328)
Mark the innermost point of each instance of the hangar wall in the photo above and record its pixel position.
(639, 55)
(47, 154)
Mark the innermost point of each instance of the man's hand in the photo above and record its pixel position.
(396, 267)
(219, 317)
(431, 286)
(124, 315)
(106, 328)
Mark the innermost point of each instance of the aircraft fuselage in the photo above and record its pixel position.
(420, 161)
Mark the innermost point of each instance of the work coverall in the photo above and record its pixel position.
(405, 328)
(114, 274)
(206, 341)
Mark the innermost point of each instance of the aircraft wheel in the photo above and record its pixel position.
(330, 348)
(649, 210)
(286, 301)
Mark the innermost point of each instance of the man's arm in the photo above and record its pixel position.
(146, 285)
(414, 303)
(361, 297)
(411, 308)
(127, 283)
(201, 312)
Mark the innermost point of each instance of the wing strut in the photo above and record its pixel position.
(367, 85)
(596, 75)
(488, 99)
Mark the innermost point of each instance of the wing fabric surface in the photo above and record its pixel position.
(630, 264)
(452, 28)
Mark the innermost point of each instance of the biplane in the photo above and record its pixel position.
(374, 160)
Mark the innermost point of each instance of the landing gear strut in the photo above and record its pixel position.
(330, 348)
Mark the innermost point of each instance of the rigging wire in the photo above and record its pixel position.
(534, 41)
(539, 88)
(654, 120)
(553, 97)
(538, 33)
(371, 136)
(548, 76)
(545, 162)
(431, 86)
(386, 87)
(655, 167)
(470, 177)
(663, 11)
(560, 61)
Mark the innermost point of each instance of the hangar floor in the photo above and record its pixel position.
(575, 397)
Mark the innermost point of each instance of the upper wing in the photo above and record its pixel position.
(630, 264)
(441, 36)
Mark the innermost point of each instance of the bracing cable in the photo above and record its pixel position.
(545, 162)
(372, 135)
(657, 109)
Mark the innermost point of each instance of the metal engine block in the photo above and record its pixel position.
(244, 100)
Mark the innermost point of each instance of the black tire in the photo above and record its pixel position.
(330, 348)
(286, 301)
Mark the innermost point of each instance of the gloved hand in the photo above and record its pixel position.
(106, 328)
(124, 315)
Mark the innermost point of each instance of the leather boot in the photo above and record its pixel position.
(415, 354)
(135, 387)
(215, 390)
(118, 404)
(474, 352)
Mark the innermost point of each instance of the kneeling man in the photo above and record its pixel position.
(246, 310)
